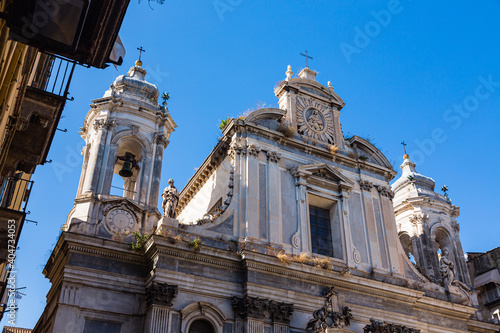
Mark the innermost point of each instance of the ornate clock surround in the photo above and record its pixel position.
(119, 219)
(315, 120)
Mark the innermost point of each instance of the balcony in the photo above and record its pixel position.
(40, 111)
(14, 195)
(82, 30)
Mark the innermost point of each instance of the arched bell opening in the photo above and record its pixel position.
(443, 243)
(127, 168)
(405, 240)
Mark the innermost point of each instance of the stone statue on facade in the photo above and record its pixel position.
(315, 121)
(447, 269)
(170, 198)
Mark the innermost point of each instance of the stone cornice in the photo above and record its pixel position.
(158, 245)
(102, 253)
(479, 326)
(73, 242)
(327, 95)
(197, 257)
(450, 309)
(218, 154)
(255, 261)
(424, 202)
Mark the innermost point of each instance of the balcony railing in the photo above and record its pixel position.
(15, 193)
(51, 74)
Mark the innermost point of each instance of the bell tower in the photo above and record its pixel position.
(125, 133)
(427, 226)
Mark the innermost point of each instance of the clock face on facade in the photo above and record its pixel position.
(120, 221)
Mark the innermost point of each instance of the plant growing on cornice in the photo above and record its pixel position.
(288, 131)
(284, 258)
(333, 149)
(363, 158)
(353, 155)
(140, 240)
(195, 244)
(224, 122)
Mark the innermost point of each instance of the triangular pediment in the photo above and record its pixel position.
(324, 172)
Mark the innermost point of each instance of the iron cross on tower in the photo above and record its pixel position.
(404, 146)
(140, 52)
(307, 57)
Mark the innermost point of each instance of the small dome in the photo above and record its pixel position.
(134, 83)
(411, 176)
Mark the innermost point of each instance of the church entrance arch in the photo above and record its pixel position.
(201, 326)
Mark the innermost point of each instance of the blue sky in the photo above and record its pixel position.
(419, 71)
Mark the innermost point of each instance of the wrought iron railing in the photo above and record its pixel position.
(51, 74)
(15, 193)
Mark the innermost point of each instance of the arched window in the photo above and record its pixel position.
(201, 326)
(405, 240)
(443, 242)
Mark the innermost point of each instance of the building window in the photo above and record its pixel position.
(492, 292)
(201, 326)
(321, 231)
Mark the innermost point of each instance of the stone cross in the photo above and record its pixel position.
(307, 57)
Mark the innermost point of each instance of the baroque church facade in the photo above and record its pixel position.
(287, 226)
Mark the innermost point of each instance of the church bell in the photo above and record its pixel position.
(126, 170)
(129, 162)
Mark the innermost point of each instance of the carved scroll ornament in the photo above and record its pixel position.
(330, 315)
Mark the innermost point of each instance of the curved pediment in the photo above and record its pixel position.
(267, 113)
(370, 151)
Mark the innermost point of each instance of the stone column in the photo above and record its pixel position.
(274, 197)
(253, 200)
(374, 250)
(252, 314)
(338, 130)
(236, 151)
(140, 187)
(302, 218)
(110, 167)
(155, 174)
(433, 258)
(95, 158)
(108, 159)
(159, 297)
(344, 206)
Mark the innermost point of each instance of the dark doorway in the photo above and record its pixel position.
(201, 326)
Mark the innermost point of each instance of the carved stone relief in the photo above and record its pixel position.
(331, 315)
(160, 294)
(259, 308)
(365, 185)
(253, 150)
(314, 120)
(273, 156)
(237, 147)
(103, 123)
(418, 218)
(378, 326)
(323, 174)
(161, 140)
(385, 191)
